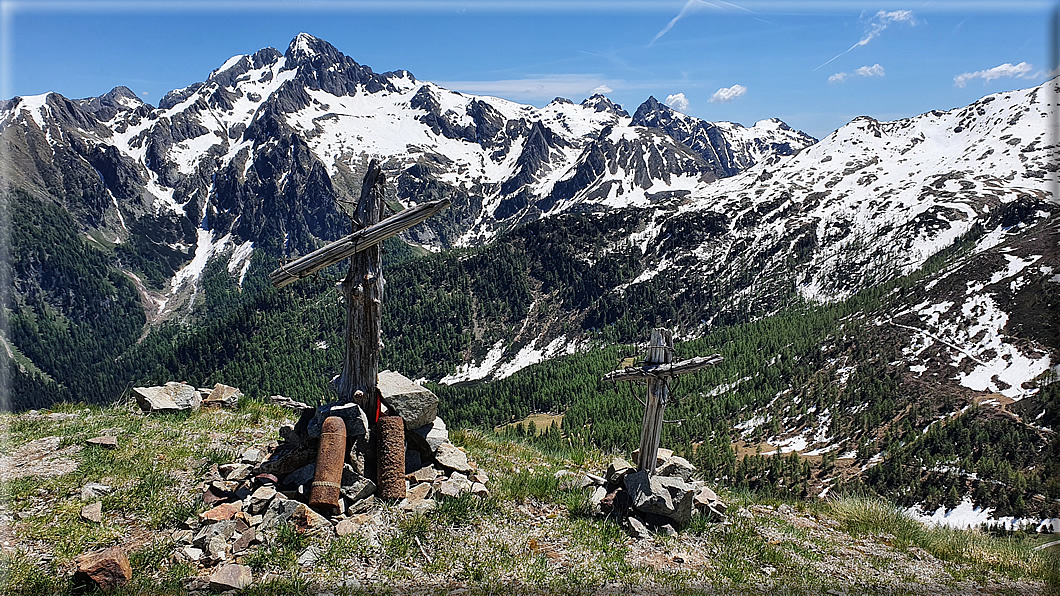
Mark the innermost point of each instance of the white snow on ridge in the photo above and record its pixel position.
(228, 64)
(240, 260)
(966, 515)
(470, 372)
(36, 105)
(205, 248)
(492, 365)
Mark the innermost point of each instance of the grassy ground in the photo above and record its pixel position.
(529, 536)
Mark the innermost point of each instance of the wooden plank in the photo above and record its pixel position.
(661, 371)
(660, 353)
(355, 242)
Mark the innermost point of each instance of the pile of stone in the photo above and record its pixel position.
(662, 502)
(270, 486)
(181, 397)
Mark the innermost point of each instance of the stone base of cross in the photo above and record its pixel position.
(657, 370)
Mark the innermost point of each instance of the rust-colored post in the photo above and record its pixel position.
(391, 473)
(327, 484)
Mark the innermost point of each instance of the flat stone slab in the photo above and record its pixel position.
(105, 441)
(449, 456)
(231, 577)
(171, 397)
(223, 396)
(109, 569)
(416, 405)
(93, 512)
(428, 437)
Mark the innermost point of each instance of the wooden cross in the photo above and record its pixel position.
(363, 286)
(658, 369)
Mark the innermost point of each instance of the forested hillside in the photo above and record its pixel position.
(831, 376)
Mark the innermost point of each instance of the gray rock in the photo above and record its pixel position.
(428, 437)
(94, 489)
(223, 396)
(93, 512)
(105, 441)
(708, 502)
(231, 577)
(306, 520)
(479, 490)
(677, 467)
(706, 496)
(279, 511)
(597, 496)
(637, 529)
(171, 397)
(425, 474)
(234, 471)
(222, 529)
(661, 495)
(216, 548)
(416, 405)
(354, 486)
(191, 553)
(301, 476)
(251, 456)
(455, 486)
(287, 402)
(617, 470)
(352, 414)
(450, 457)
(309, 556)
(588, 480)
(259, 500)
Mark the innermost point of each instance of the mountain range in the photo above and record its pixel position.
(572, 226)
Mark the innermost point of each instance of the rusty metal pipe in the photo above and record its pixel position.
(391, 476)
(327, 484)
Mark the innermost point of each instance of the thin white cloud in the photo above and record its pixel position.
(602, 89)
(865, 71)
(1001, 71)
(870, 71)
(677, 101)
(533, 88)
(690, 7)
(727, 94)
(879, 22)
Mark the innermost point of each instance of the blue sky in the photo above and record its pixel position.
(815, 65)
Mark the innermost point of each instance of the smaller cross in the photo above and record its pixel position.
(658, 369)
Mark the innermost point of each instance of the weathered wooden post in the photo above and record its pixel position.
(658, 369)
(363, 292)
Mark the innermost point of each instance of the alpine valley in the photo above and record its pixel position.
(885, 298)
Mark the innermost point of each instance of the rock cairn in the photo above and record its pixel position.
(270, 485)
(663, 502)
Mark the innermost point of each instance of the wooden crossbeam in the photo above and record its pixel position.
(354, 243)
(662, 371)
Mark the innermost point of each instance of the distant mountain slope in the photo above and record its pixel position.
(603, 223)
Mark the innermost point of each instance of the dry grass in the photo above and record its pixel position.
(529, 537)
